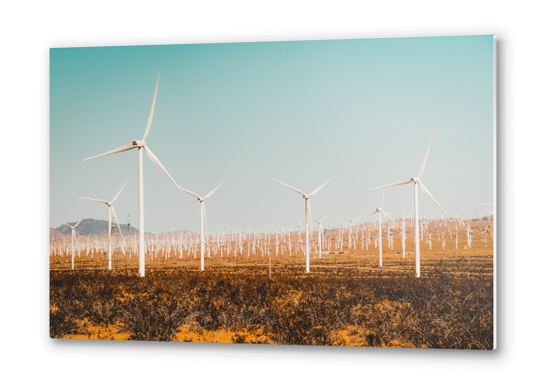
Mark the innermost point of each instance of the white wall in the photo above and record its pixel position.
(27, 31)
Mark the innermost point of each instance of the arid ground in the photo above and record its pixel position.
(346, 300)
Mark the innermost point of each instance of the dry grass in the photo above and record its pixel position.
(346, 300)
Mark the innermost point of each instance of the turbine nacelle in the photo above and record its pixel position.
(139, 143)
(415, 180)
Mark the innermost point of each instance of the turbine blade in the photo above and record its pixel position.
(149, 121)
(65, 224)
(289, 186)
(77, 223)
(382, 204)
(181, 189)
(214, 190)
(487, 210)
(426, 154)
(126, 147)
(97, 200)
(155, 160)
(321, 221)
(118, 193)
(369, 214)
(116, 219)
(322, 186)
(432, 198)
(392, 184)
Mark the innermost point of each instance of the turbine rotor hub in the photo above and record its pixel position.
(138, 143)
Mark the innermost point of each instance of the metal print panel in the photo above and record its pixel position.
(334, 193)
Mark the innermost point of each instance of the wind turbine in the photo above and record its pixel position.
(403, 236)
(416, 181)
(110, 210)
(307, 216)
(203, 217)
(73, 237)
(320, 233)
(380, 211)
(140, 144)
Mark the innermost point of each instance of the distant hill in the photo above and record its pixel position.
(87, 227)
(55, 233)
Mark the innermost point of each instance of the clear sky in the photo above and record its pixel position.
(297, 111)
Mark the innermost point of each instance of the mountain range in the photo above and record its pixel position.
(97, 227)
(87, 227)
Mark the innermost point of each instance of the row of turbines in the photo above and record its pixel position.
(141, 145)
(277, 241)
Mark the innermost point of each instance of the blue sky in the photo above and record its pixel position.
(297, 111)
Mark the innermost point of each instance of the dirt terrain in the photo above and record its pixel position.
(346, 300)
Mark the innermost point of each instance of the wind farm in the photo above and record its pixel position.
(251, 272)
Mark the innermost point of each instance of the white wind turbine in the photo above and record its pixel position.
(110, 210)
(307, 216)
(73, 237)
(416, 181)
(403, 235)
(203, 217)
(380, 211)
(320, 233)
(140, 144)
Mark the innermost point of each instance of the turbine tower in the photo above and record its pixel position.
(110, 209)
(416, 181)
(140, 144)
(307, 217)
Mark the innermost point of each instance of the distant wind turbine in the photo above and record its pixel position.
(110, 210)
(73, 238)
(203, 217)
(416, 181)
(403, 235)
(380, 211)
(307, 216)
(140, 144)
(320, 234)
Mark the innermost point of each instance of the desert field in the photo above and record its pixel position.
(266, 297)
(247, 128)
